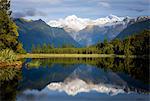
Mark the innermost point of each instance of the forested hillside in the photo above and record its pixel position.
(135, 28)
(136, 44)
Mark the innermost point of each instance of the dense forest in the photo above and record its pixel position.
(64, 50)
(8, 29)
(137, 44)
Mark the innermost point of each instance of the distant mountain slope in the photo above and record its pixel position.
(88, 32)
(134, 28)
(78, 31)
(38, 32)
(94, 34)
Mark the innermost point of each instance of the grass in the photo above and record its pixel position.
(28, 55)
(9, 58)
(61, 55)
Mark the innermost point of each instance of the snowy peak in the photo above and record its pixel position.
(76, 24)
(114, 18)
(72, 18)
(70, 22)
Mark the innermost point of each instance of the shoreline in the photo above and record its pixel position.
(16, 64)
(28, 55)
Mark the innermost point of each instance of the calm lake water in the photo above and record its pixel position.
(103, 79)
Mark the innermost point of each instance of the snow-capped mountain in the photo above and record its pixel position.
(76, 24)
(70, 22)
(80, 31)
(87, 31)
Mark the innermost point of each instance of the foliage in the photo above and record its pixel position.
(134, 29)
(7, 55)
(68, 46)
(8, 73)
(141, 43)
(137, 44)
(9, 81)
(107, 48)
(117, 46)
(8, 29)
(66, 49)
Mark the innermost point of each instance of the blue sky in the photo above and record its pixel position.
(55, 9)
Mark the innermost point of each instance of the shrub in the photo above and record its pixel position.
(7, 55)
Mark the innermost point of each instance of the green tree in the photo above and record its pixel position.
(127, 47)
(33, 48)
(8, 29)
(107, 48)
(105, 41)
(117, 46)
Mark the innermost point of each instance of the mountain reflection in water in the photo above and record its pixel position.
(84, 80)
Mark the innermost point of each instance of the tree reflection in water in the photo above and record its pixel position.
(138, 68)
(9, 81)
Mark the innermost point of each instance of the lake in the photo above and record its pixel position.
(76, 79)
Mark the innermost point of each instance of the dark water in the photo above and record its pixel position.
(104, 79)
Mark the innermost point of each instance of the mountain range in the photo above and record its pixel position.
(76, 24)
(38, 32)
(79, 32)
(87, 32)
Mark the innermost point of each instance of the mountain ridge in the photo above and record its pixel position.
(38, 32)
(134, 27)
(92, 31)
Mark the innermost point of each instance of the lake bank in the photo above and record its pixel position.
(16, 64)
(71, 56)
(40, 56)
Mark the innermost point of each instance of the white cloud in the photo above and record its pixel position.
(104, 4)
(54, 9)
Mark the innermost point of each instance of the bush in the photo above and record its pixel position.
(7, 55)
